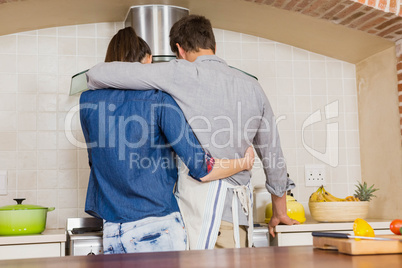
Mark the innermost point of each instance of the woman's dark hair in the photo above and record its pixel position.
(127, 46)
(143, 48)
(192, 33)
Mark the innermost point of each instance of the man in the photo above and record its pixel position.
(227, 110)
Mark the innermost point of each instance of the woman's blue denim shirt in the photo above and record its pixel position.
(132, 139)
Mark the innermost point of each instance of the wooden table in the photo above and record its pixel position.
(278, 257)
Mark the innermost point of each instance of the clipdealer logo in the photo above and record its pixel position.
(331, 154)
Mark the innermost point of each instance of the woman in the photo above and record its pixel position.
(132, 139)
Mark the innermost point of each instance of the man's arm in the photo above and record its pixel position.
(201, 165)
(133, 75)
(279, 213)
(268, 148)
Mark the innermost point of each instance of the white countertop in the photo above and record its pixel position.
(311, 225)
(48, 236)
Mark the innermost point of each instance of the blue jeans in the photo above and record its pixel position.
(147, 235)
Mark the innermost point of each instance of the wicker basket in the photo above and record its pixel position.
(338, 211)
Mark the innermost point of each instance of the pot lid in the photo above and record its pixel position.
(20, 206)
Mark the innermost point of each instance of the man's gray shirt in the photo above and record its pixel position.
(226, 108)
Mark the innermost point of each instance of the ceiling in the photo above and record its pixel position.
(287, 27)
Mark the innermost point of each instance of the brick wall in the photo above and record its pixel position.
(399, 68)
(379, 17)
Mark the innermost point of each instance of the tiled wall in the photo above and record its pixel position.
(35, 72)
(46, 169)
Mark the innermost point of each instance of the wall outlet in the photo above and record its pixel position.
(3, 182)
(314, 175)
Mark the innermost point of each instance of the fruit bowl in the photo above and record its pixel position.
(338, 211)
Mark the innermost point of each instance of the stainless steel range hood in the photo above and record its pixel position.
(152, 23)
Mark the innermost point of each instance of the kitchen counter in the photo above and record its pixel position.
(300, 235)
(300, 256)
(48, 236)
(51, 243)
(311, 225)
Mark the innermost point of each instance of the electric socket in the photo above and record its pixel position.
(315, 175)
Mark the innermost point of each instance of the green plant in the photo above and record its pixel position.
(363, 192)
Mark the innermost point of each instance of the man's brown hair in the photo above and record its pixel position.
(192, 33)
(127, 46)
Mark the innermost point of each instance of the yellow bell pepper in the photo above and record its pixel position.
(362, 228)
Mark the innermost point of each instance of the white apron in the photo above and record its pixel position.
(201, 206)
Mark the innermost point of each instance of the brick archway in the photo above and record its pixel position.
(382, 18)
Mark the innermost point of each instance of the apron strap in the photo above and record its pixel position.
(235, 215)
(244, 195)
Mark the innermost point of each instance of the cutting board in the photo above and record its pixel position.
(362, 247)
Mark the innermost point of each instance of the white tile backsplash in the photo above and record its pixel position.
(47, 140)
(46, 121)
(106, 29)
(101, 46)
(27, 121)
(284, 69)
(8, 141)
(68, 179)
(47, 83)
(8, 82)
(68, 159)
(26, 102)
(266, 51)
(68, 198)
(229, 36)
(48, 179)
(27, 140)
(47, 159)
(48, 198)
(47, 45)
(27, 160)
(86, 47)
(8, 63)
(67, 31)
(250, 51)
(44, 167)
(47, 64)
(8, 44)
(317, 69)
(8, 160)
(86, 30)
(27, 179)
(233, 50)
(300, 54)
(47, 32)
(283, 52)
(27, 45)
(47, 102)
(27, 63)
(27, 82)
(67, 65)
(8, 101)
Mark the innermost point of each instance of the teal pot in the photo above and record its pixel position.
(21, 219)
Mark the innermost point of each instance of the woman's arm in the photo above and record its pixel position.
(224, 168)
